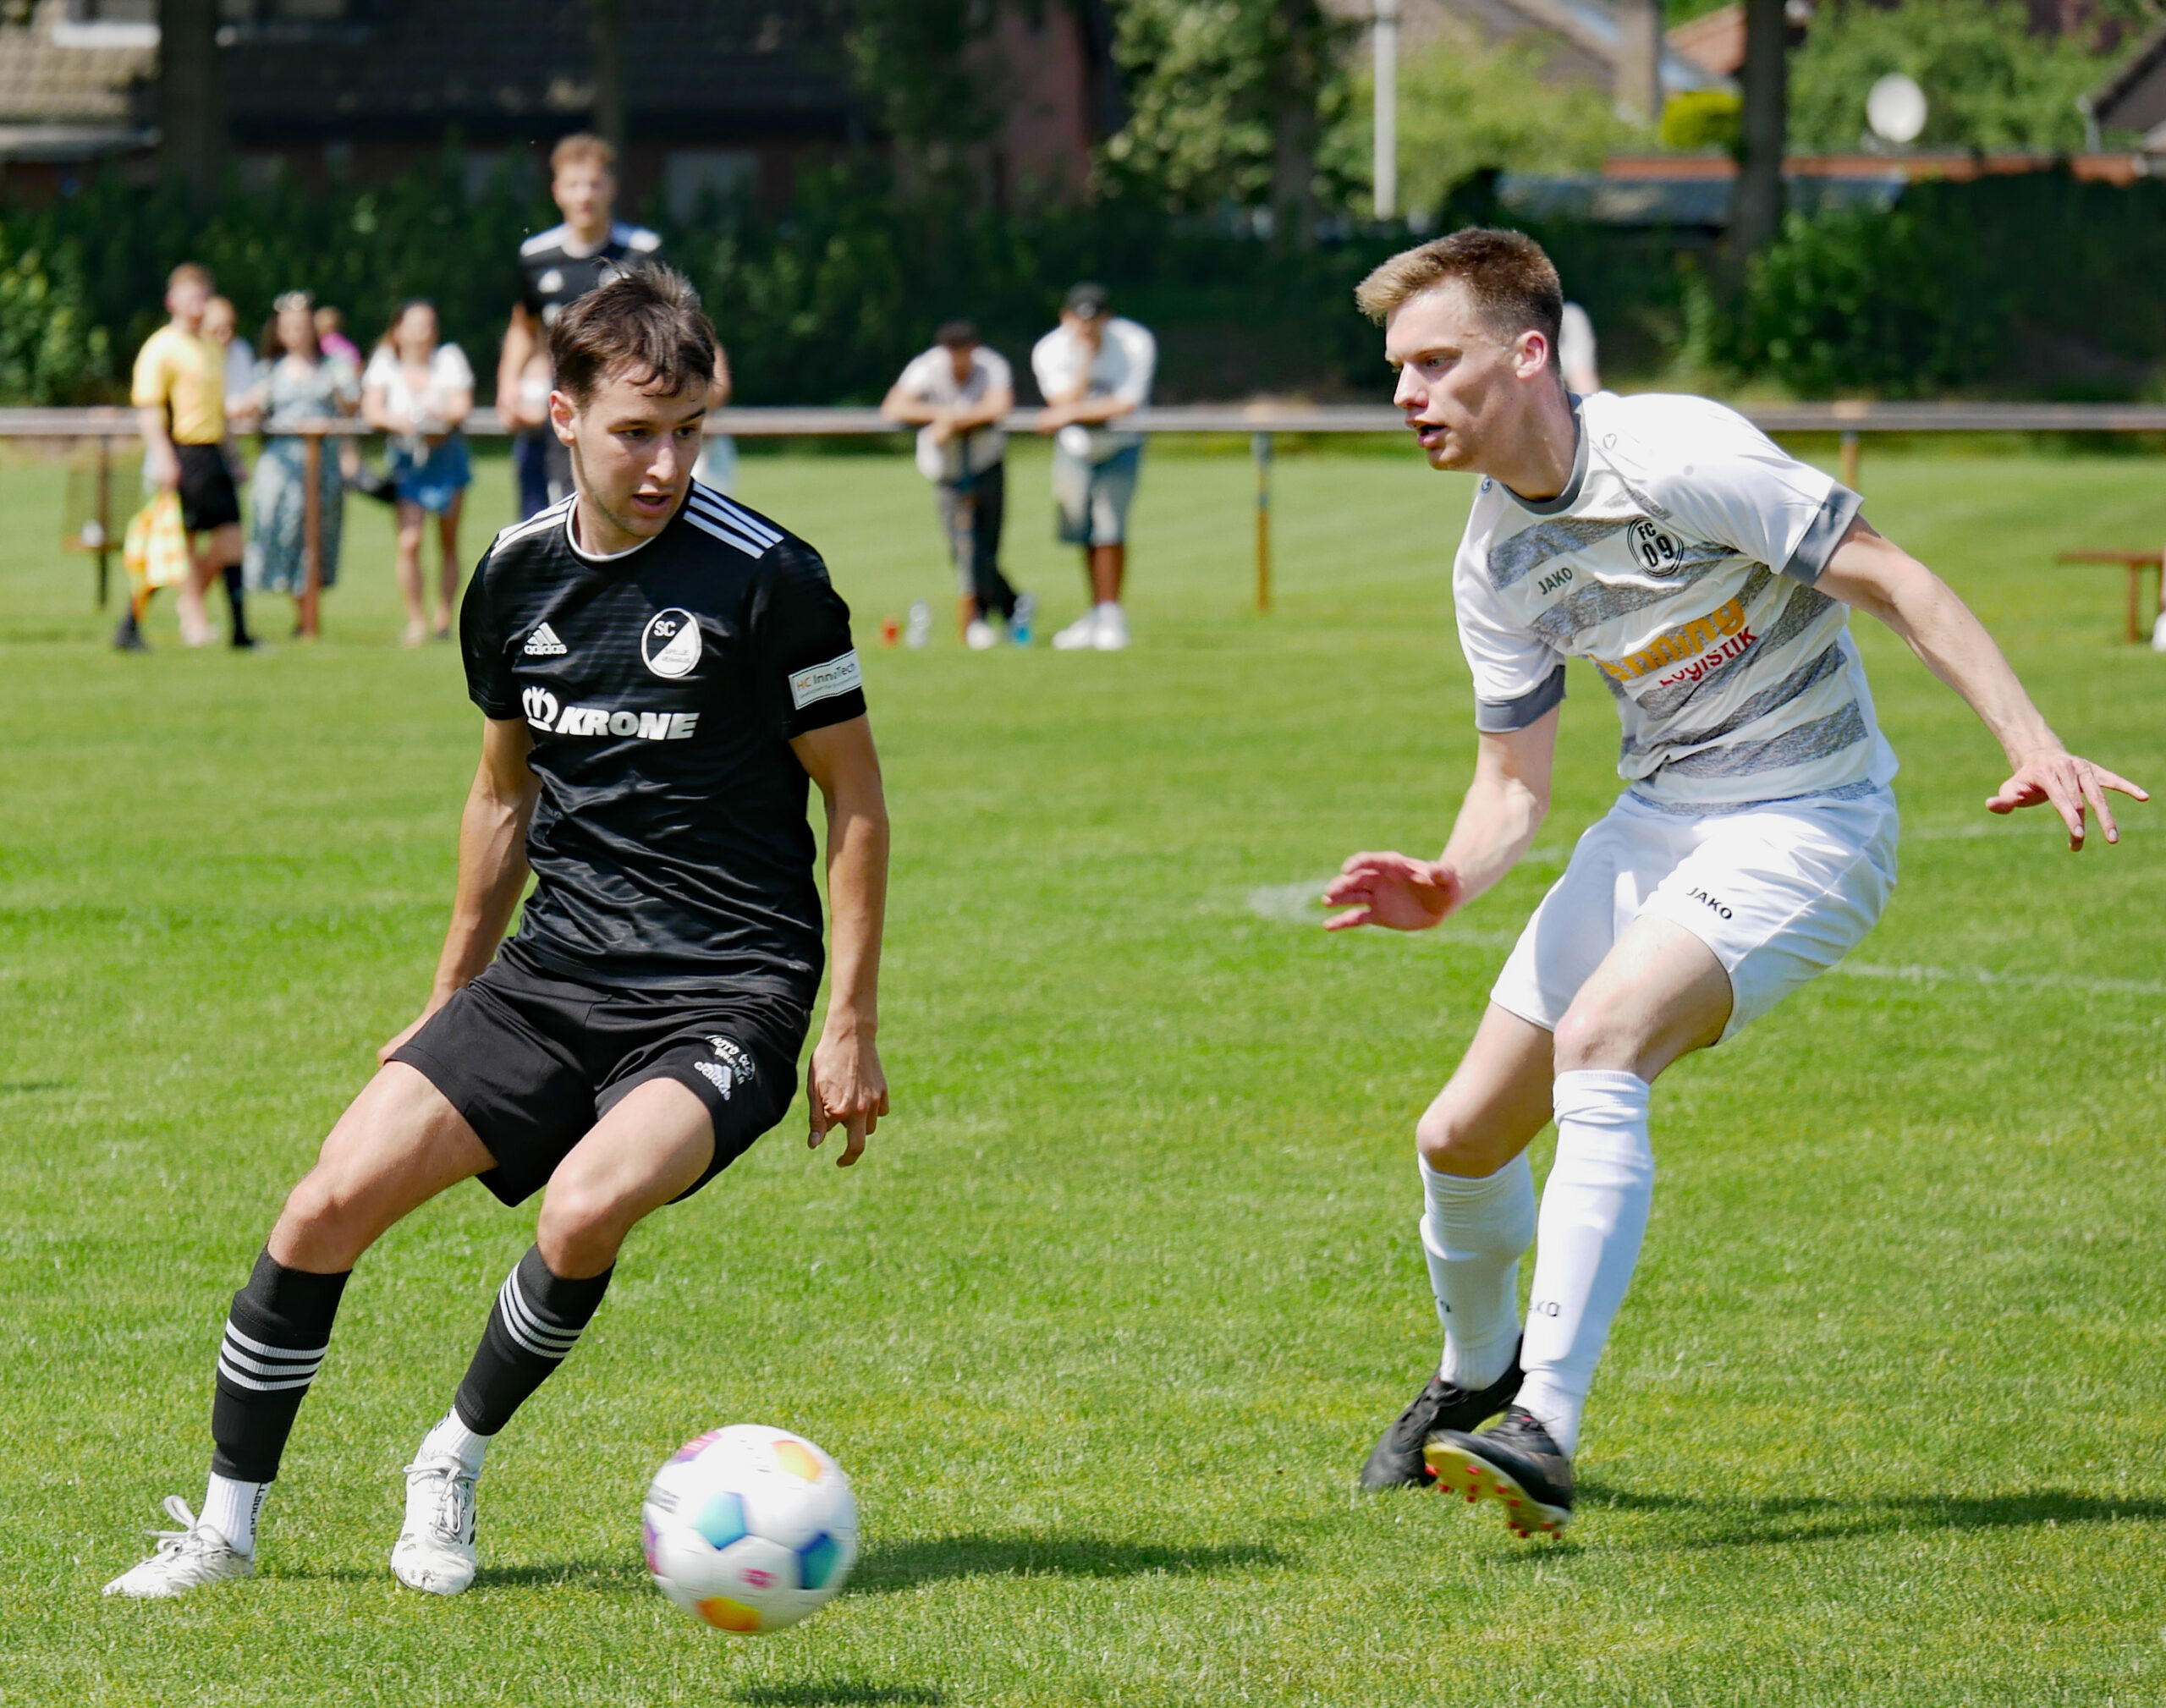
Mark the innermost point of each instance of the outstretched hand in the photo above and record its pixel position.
(1393, 890)
(2068, 782)
(845, 1087)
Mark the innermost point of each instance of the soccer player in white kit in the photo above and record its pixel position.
(1710, 577)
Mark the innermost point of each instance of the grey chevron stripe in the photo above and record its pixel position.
(1514, 559)
(1828, 664)
(1812, 740)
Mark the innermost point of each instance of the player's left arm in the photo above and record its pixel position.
(1869, 572)
(845, 1085)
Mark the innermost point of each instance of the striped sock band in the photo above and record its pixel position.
(536, 1320)
(275, 1341)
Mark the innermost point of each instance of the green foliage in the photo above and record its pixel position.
(1703, 118)
(1989, 83)
(2032, 285)
(1464, 106)
(920, 65)
(51, 350)
(1203, 82)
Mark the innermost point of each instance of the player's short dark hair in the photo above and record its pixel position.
(645, 325)
(1513, 282)
(956, 335)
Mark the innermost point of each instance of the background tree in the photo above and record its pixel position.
(1989, 82)
(191, 96)
(1757, 208)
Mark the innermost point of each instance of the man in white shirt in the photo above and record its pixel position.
(957, 394)
(1709, 577)
(1093, 369)
(1575, 352)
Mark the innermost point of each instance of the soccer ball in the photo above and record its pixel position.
(750, 1528)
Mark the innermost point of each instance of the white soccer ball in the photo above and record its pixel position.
(750, 1529)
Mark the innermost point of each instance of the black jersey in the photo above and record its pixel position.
(552, 279)
(661, 687)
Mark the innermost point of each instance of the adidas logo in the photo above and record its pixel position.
(543, 643)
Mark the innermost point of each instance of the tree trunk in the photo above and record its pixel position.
(1638, 90)
(1294, 121)
(191, 96)
(606, 31)
(1756, 210)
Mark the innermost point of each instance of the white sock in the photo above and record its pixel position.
(1473, 1236)
(453, 1436)
(231, 1508)
(1594, 1213)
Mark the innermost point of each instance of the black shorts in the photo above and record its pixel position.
(207, 497)
(533, 1060)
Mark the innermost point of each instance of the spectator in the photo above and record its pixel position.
(1575, 353)
(957, 394)
(222, 326)
(1093, 369)
(420, 391)
(298, 382)
(331, 338)
(179, 392)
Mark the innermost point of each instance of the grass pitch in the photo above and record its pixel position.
(1104, 1324)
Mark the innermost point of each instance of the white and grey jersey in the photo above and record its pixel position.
(1681, 558)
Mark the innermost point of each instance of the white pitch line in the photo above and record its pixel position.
(2027, 982)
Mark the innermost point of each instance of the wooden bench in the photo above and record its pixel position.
(2135, 563)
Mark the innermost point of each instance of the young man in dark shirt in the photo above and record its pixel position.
(661, 672)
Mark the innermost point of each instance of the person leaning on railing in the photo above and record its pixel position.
(297, 384)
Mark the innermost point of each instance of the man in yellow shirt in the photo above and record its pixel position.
(179, 394)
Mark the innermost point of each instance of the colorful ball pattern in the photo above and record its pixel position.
(750, 1529)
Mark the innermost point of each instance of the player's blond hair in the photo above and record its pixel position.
(580, 146)
(1513, 282)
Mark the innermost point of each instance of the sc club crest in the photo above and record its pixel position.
(671, 645)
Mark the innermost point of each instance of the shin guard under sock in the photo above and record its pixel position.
(1594, 1214)
(275, 1341)
(533, 1326)
(1473, 1235)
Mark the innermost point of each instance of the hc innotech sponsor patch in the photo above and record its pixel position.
(1705, 644)
(544, 712)
(826, 681)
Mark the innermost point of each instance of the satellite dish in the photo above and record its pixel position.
(1895, 108)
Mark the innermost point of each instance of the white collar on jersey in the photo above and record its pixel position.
(571, 539)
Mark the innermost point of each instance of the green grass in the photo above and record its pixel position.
(1107, 1319)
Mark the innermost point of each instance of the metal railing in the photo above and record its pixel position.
(1262, 421)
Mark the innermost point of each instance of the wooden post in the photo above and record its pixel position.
(311, 533)
(2135, 599)
(105, 515)
(1260, 447)
(1850, 459)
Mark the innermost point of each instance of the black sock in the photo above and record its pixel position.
(275, 1341)
(236, 598)
(533, 1326)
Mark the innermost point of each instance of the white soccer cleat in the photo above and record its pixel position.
(435, 1550)
(1110, 634)
(186, 1559)
(979, 636)
(2159, 634)
(1079, 636)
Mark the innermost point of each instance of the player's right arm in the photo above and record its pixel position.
(492, 864)
(1504, 807)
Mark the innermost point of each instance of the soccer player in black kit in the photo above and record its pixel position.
(661, 671)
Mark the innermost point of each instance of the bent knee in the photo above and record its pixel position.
(1452, 1140)
(580, 1228)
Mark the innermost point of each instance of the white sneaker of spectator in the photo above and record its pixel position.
(1079, 636)
(979, 636)
(1110, 633)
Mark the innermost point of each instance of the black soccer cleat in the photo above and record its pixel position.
(1516, 1463)
(1395, 1462)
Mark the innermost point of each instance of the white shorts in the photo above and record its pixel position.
(1779, 893)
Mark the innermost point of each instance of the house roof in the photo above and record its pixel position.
(84, 89)
(2133, 98)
